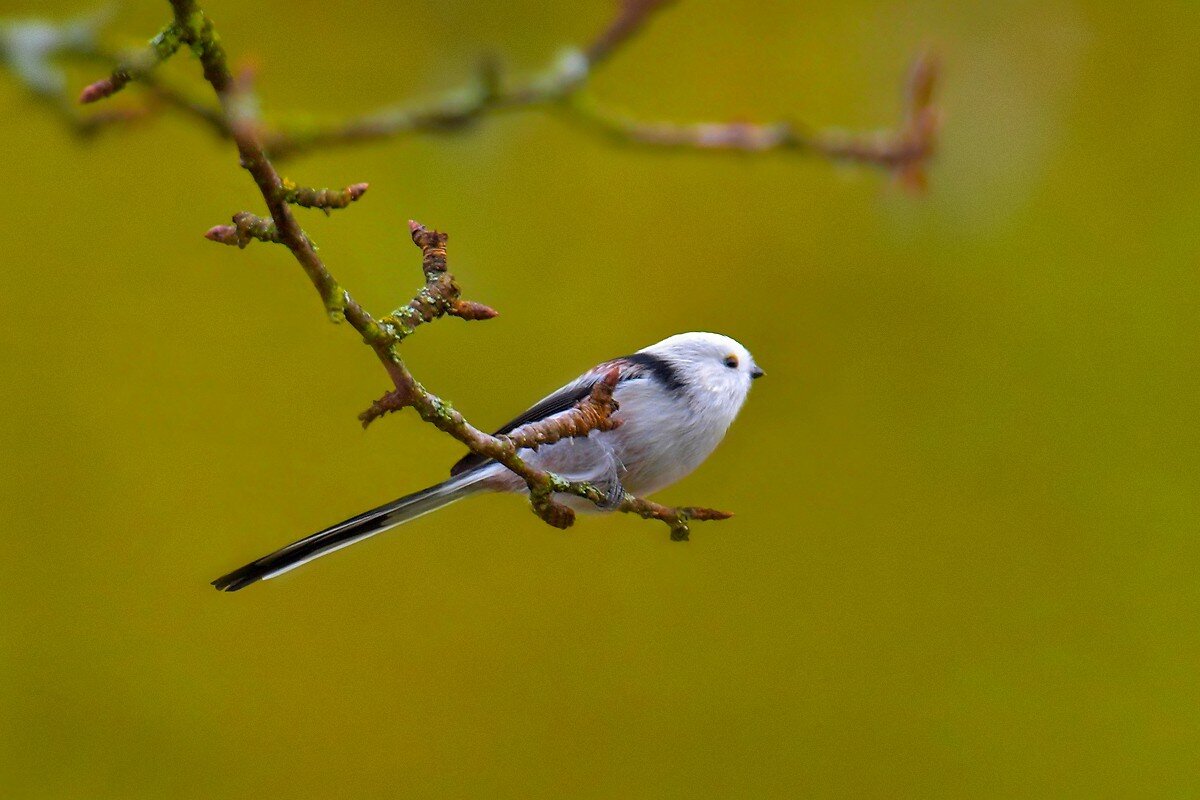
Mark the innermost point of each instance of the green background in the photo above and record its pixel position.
(965, 557)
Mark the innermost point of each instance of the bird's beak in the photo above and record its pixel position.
(756, 373)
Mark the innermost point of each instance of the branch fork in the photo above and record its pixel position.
(440, 296)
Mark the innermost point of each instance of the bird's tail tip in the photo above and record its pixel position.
(238, 579)
(348, 532)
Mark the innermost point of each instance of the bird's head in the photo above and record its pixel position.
(709, 367)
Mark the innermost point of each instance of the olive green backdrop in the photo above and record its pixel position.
(965, 558)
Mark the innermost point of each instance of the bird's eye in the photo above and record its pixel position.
(731, 362)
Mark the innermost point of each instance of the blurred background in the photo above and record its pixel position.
(965, 557)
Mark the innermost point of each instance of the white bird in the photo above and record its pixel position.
(676, 400)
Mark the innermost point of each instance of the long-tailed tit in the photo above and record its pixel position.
(677, 398)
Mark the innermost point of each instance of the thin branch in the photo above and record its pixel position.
(136, 67)
(324, 199)
(453, 112)
(31, 48)
(592, 413)
(246, 227)
(906, 149)
(675, 518)
(458, 109)
(631, 16)
(440, 295)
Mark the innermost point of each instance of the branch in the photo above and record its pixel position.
(30, 49)
(458, 109)
(245, 228)
(139, 66)
(632, 15)
(676, 518)
(440, 296)
(906, 150)
(592, 413)
(560, 87)
(324, 199)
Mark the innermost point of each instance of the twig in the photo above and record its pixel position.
(676, 518)
(905, 150)
(245, 228)
(30, 49)
(440, 295)
(161, 47)
(324, 199)
(631, 17)
(592, 413)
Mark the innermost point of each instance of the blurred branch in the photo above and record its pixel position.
(631, 16)
(135, 67)
(560, 87)
(439, 297)
(31, 48)
(905, 150)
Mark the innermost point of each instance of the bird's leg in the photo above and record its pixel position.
(610, 482)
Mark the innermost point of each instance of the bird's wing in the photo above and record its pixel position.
(636, 366)
(561, 400)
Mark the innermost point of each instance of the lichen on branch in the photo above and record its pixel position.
(324, 199)
(440, 296)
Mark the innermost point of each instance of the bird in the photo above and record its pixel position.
(675, 401)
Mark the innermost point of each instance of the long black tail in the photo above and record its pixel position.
(347, 533)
